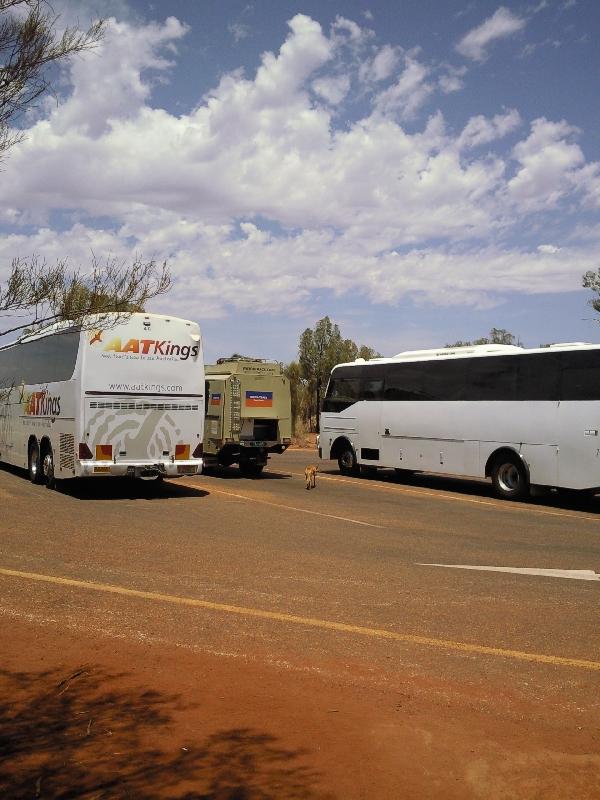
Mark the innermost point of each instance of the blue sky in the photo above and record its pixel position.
(419, 171)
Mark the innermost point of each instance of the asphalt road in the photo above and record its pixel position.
(334, 583)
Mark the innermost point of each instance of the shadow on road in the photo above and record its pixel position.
(126, 489)
(550, 498)
(84, 735)
(234, 474)
(114, 488)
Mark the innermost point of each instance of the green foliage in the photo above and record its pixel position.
(319, 350)
(297, 391)
(50, 293)
(496, 336)
(591, 280)
(29, 46)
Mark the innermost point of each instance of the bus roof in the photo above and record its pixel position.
(469, 351)
(88, 322)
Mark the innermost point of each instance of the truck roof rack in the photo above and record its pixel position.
(235, 357)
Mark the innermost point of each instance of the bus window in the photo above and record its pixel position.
(404, 382)
(492, 378)
(342, 392)
(580, 375)
(444, 380)
(539, 377)
(372, 389)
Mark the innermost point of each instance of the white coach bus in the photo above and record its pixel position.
(124, 398)
(522, 417)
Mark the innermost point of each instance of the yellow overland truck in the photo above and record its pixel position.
(248, 413)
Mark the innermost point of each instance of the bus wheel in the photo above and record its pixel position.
(509, 479)
(347, 461)
(48, 468)
(249, 469)
(33, 463)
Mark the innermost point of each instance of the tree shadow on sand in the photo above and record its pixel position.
(90, 735)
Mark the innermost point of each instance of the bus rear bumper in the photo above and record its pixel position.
(145, 470)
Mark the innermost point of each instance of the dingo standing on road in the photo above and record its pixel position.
(310, 474)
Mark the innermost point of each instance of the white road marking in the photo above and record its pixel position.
(286, 507)
(574, 574)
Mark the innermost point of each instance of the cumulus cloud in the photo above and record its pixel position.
(452, 80)
(381, 65)
(549, 163)
(406, 96)
(501, 24)
(480, 130)
(260, 200)
(332, 88)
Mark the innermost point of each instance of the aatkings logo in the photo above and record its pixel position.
(146, 347)
(41, 404)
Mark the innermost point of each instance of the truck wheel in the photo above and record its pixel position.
(509, 478)
(33, 463)
(249, 469)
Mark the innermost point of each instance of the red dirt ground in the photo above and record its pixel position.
(96, 718)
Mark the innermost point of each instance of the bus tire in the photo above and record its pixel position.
(509, 478)
(347, 460)
(48, 466)
(34, 465)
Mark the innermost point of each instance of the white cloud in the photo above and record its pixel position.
(406, 96)
(501, 24)
(481, 130)
(549, 163)
(259, 201)
(239, 31)
(452, 80)
(333, 89)
(107, 82)
(382, 65)
(548, 249)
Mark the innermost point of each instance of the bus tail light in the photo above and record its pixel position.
(199, 451)
(182, 452)
(84, 451)
(104, 452)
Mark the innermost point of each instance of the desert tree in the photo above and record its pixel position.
(37, 294)
(31, 45)
(319, 350)
(495, 336)
(591, 280)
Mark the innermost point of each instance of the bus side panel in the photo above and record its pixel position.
(334, 426)
(43, 411)
(579, 445)
(11, 429)
(414, 435)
